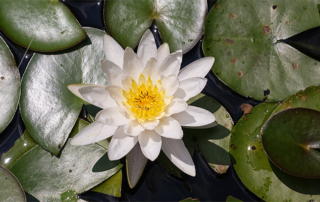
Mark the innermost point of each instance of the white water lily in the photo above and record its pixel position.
(145, 103)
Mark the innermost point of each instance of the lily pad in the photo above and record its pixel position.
(213, 142)
(48, 108)
(11, 190)
(250, 55)
(180, 22)
(291, 140)
(50, 178)
(9, 85)
(111, 186)
(232, 199)
(255, 170)
(40, 25)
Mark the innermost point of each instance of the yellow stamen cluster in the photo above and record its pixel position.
(146, 100)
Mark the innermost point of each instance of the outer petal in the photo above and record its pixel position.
(163, 52)
(94, 94)
(132, 65)
(150, 144)
(190, 87)
(177, 105)
(179, 155)
(198, 68)
(170, 84)
(147, 47)
(171, 65)
(112, 71)
(94, 132)
(117, 94)
(136, 162)
(194, 116)
(152, 70)
(113, 51)
(150, 125)
(120, 144)
(170, 128)
(114, 116)
(133, 128)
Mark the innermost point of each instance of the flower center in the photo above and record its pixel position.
(146, 100)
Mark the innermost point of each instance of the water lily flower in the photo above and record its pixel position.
(145, 103)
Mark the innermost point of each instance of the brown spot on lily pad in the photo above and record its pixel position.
(2, 77)
(288, 107)
(240, 74)
(217, 6)
(229, 41)
(246, 108)
(233, 16)
(222, 169)
(274, 7)
(295, 66)
(266, 30)
(232, 146)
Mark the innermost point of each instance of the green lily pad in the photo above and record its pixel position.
(232, 199)
(9, 85)
(291, 140)
(111, 186)
(45, 25)
(45, 98)
(11, 190)
(250, 57)
(213, 142)
(255, 170)
(50, 178)
(190, 200)
(180, 22)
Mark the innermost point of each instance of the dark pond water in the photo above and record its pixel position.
(157, 184)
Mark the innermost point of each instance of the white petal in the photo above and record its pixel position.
(120, 144)
(114, 116)
(136, 162)
(117, 94)
(176, 151)
(198, 68)
(94, 132)
(147, 47)
(132, 65)
(150, 125)
(190, 87)
(170, 84)
(170, 128)
(133, 128)
(171, 65)
(177, 105)
(150, 144)
(112, 71)
(194, 116)
(163, 52)
(94, 94)
(112, 50)
(152, 70)
(127, 83)
(211, 125)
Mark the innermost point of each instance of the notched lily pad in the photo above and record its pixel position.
(45, 25)
(180, 22)
(9, 85)
(291, 139)
(255, 170)
(250, 55)
(11, 190)
(48, 108)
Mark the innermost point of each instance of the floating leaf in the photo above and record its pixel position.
(255, 170)
(190, 200)
(180, 22)
(9, 85)
(291, 140)
(232, 199)
(213, 142)
(48, 108)
(250, 57)
(45, 25)
(47, 177)
(11, 190)
(111, 186)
